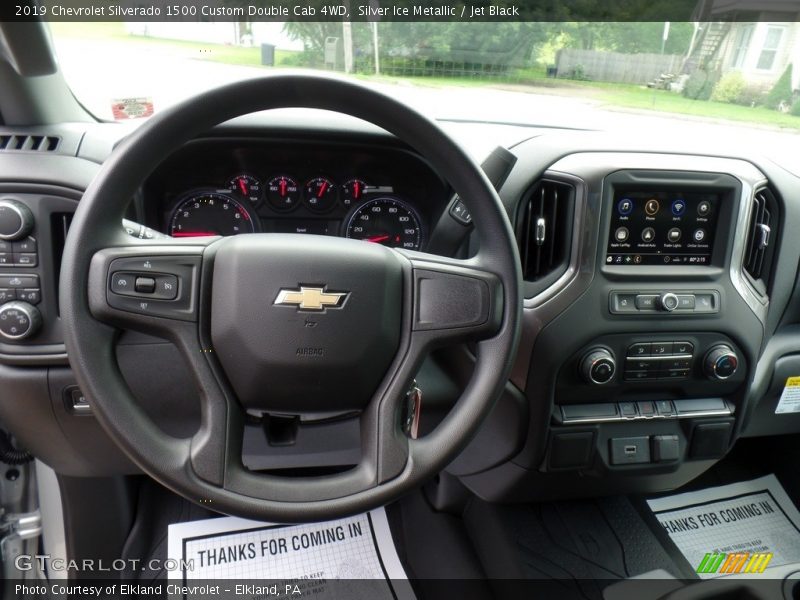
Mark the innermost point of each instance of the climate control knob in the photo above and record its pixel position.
(19, 320)
(598, 366)
(721, 362)
(16, 220)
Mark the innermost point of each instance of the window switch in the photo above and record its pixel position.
(145, 285)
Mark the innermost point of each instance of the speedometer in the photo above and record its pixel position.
(388, 221)
(210, 213)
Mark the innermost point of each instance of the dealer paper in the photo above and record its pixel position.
(749, 517)
(353, 557)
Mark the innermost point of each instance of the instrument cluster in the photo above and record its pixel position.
(376, 194)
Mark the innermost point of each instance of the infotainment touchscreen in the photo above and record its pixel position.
(662, 227)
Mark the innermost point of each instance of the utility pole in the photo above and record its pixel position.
(347, 40)
(375, 49)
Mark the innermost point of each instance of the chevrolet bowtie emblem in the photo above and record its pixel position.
(310, 298)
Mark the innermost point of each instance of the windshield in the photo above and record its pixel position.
(630, 76)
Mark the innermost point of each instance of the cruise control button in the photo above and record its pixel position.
(166, 287)
(646, 302)
(123, 283)
(145, 285)
(639, 349)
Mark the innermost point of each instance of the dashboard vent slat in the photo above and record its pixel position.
(28, 143)
(760, 236)
(544, 238)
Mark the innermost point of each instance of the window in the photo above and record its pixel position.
(742, 44)
(766, 59)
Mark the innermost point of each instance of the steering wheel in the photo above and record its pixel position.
(237, 309)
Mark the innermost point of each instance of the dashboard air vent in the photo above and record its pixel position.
(28, 143)
(544, 236)
(760, 239)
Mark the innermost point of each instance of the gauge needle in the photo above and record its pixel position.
(193, 233)
(243, 186)
(283, 187)
(322, 189)
(377, 238)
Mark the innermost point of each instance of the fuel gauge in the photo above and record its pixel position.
(353, 191)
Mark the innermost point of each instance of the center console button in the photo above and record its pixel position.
(627, 409)
(642, 349)
(669, 301)
(661, 348)
(682, 348)
(646, 302)
(664, 407)
(686, 302)
(646, 409)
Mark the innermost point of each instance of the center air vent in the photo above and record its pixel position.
(545, 231)
(28, 143)
(761, 235)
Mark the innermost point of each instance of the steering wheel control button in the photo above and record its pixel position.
(19, 320)
(161, 286)
(26, 246)
(721, 362)
(145, 285)
(668, 301)
(26, 260)
(598, 366)
(460, 212)
(16, 220)
(646, 302)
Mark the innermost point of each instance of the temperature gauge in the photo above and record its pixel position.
(283, 193)
(246, 186)
(353, 191)
(320, 194)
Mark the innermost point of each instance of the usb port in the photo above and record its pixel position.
(629, 450)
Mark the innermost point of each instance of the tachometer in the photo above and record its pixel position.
(388, 221)
(210, 213)
(246, 186)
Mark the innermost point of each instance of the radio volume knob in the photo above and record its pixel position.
(598, 366)
(19, 320)
(721, 362)
(668, 301)
(16, 220)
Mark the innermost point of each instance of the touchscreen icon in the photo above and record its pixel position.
(699, 235)
(678, 208)
(621, 234)
(649, 234)
(674, 235)
(704, 208)
(625, 207)
(651, 207)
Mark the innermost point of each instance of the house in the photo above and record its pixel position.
(758, 38)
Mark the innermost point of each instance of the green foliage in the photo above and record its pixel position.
(795, 109)
(751, 95)
(628, 37)
(781, 92)
(729, 88)
(700, 84)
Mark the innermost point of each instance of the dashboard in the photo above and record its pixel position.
(228, 187)
(661, 314)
